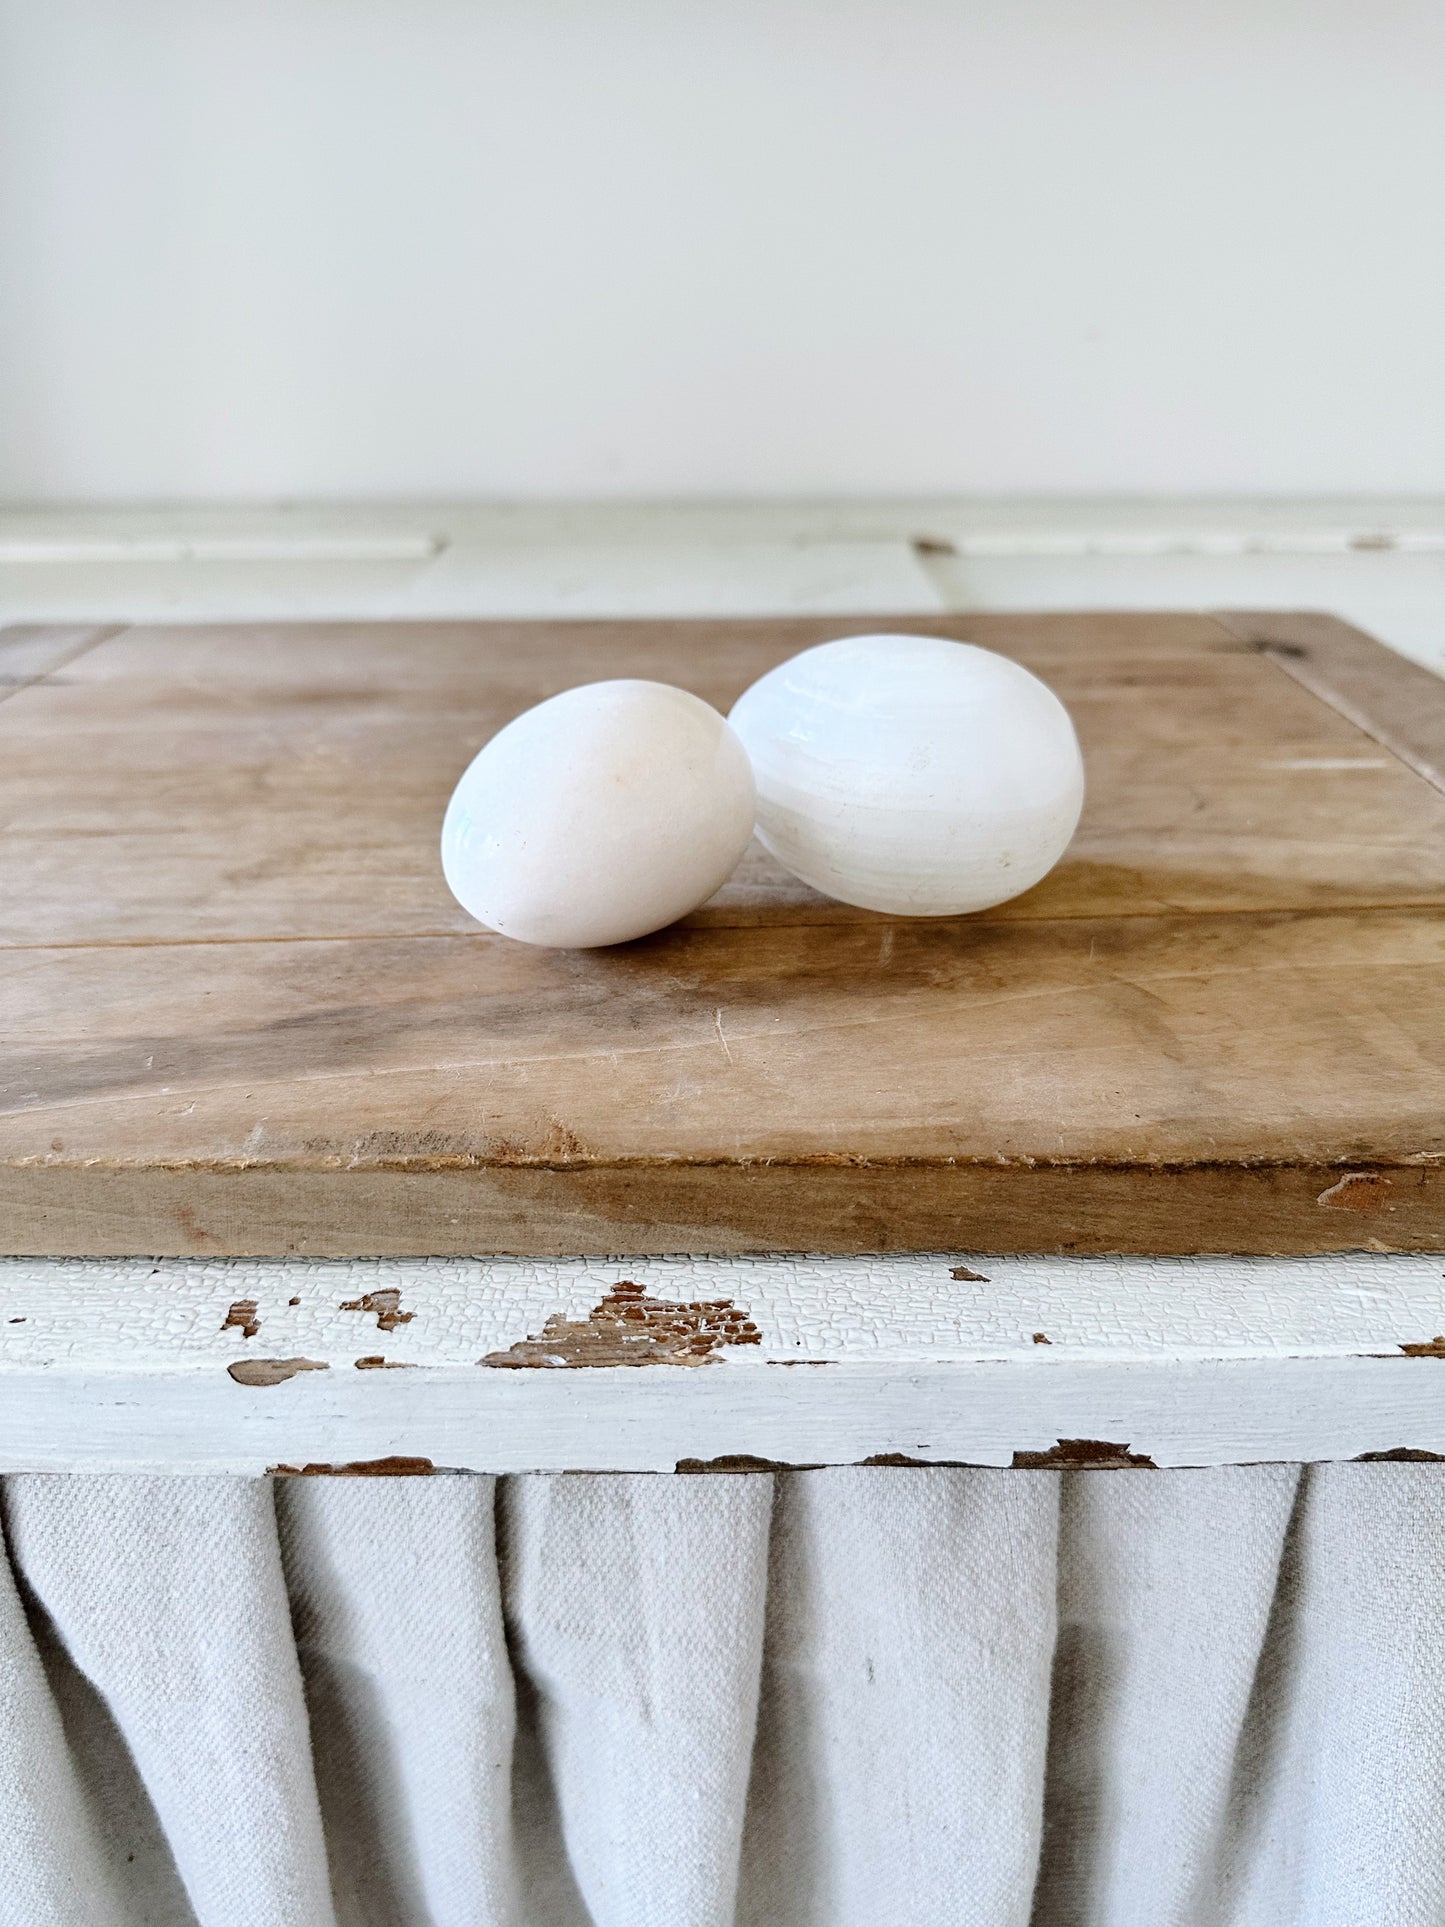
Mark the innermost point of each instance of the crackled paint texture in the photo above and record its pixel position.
(108, 1313)
(1046, 1365)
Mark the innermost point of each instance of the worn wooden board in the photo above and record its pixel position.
(513, 1365)
(242, 1014)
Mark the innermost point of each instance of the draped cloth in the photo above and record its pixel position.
(843, 1698)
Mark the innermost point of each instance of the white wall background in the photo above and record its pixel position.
(364, 248)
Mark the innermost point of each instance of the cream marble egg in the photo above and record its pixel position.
(911, 775)
(600, 815)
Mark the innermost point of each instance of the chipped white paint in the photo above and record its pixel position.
(1202, 1361)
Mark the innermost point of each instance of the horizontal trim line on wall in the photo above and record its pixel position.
(1209, 542)
(999, 545)
(221, 548)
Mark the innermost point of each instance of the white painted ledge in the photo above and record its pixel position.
(173, 1366)
(1378, 562)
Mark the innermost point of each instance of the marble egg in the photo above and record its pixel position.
(911, 775)
(600, 815)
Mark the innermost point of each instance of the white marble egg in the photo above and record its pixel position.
(600, 815)
(911, 775)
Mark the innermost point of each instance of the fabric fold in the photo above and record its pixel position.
(1166, 1585)
(55, 1864)
(636, 1607)
(398, 1620)
(900, 1763)
(857, 1697)
(167, 1595)
(1342, 1778)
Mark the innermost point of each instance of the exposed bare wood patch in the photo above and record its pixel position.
(376, 1363)
(1358, 1191)
(1432, 1348)
(242, 1316)
(964, 1276)
(1042, 1338)
(1082, 1455)
(386, 1304)
(272, 1371)
(899, 1459)
(629, 1328)
(740, 1462)
(393, 1468)
(1400, 1455)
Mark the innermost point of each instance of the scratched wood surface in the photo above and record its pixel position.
(242, 1014)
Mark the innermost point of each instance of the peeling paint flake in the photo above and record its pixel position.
(393, 1468)
(740, 1462)
(386, 1304)
(242, 1316)
(272, 1371)
(1082, 1455)
(628, 1328)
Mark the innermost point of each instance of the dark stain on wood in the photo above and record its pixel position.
(628, 1328)
(1432, 1348)
(1400, 1455)
(1082, 1455)
(740, 1462)
(242, 1316)
(194, 1233)
(393, 1468)
(1358, 1191)
(386, 1304)
(964, 1276)
(1296, 651)
(376, 1363)
(933, 545)
(272, 1371)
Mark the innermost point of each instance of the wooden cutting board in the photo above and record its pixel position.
(241, 1014)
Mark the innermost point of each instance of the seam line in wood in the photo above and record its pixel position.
(1420, 748)
(92, 641)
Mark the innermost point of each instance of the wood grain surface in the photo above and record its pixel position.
(242, 1014)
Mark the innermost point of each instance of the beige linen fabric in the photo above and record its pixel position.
(860, 1696)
